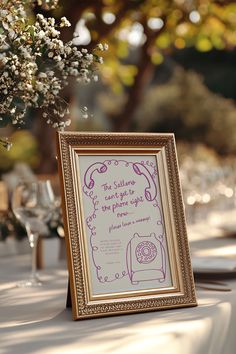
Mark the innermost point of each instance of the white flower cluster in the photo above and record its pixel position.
(47, 4)
(35, 65)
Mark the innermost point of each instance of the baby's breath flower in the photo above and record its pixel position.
(65, 22)
(42, 75)
(25, 47)
(100, 46)
(41, 34)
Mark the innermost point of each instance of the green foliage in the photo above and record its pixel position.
(185, 106)
(24, 149)
(161, 26)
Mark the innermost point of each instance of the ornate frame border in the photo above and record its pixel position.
(67, 142)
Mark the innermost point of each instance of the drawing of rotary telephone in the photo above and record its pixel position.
(99, 167)
(150, 191)
(146, 259)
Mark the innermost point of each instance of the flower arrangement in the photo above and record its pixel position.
(35, 64)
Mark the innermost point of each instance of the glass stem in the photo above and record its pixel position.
(33, 241)
(34, 256)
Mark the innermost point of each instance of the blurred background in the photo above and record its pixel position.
(170, 67)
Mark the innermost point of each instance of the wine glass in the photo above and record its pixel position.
(33, 204)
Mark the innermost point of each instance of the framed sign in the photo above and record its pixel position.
(127, 246)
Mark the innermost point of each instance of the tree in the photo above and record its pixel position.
(140, 33)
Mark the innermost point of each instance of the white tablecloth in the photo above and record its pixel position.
(36, 321)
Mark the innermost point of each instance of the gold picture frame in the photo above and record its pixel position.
(126, 239)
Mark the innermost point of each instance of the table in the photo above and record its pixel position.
(36, 321)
